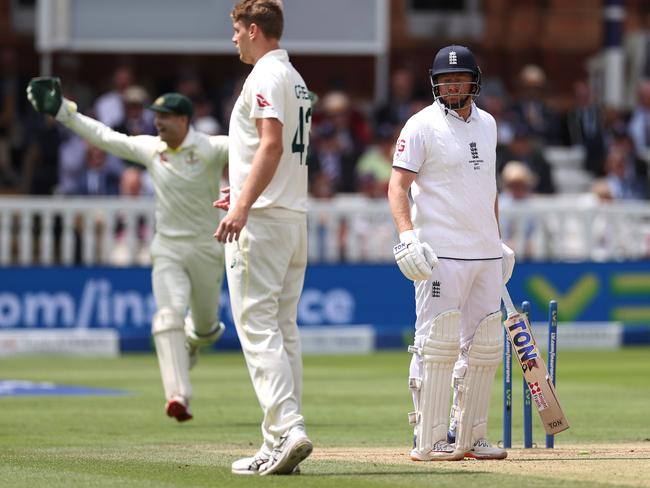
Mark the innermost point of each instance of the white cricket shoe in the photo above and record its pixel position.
(293, 448)
(179, 408)
(441, 451)
(194, 349)
(251, 465)
(482, 449)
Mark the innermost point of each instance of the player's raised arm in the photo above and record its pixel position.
(44, 94)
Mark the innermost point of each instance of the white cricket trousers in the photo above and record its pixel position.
(188, 272)
(472, 287)
(266, 271)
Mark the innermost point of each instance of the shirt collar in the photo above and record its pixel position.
(452, 113)
(280, 54)
(189, 141)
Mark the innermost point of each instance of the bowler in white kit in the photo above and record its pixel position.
(265, 231)
(443, 198)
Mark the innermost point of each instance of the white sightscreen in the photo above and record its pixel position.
(204, 26)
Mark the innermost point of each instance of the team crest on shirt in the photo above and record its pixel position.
(261, 101)
(475, 161)
(192, 158)
(435, 289)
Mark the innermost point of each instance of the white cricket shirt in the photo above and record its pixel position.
(186, 179)
(273, 89)
(455, 188)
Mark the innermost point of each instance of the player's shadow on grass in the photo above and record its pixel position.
(583, 458)
(415, 471)
(232, 424)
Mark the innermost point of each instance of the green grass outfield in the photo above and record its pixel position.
(355, 408)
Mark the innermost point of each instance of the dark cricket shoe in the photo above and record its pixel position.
(178, 408)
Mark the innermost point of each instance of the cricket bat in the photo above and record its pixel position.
(534, 368)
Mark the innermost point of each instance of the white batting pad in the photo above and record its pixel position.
(173, 358)
(437, 353)
(473, 391)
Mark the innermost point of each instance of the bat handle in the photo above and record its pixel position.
(507, 301)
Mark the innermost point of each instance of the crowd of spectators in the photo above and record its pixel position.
(351, 141)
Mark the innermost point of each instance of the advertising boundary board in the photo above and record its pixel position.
(374, 301)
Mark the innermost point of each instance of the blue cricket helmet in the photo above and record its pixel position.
(455, 59)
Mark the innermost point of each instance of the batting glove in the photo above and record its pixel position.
(507, 262)
(414, 258)
(45, 94)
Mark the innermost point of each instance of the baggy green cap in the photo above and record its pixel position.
(173, 103)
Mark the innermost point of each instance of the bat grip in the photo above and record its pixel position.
(507, 301)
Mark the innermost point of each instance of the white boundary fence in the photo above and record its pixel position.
(46, 231)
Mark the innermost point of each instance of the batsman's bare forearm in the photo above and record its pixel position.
(398, 186)
(496, 214)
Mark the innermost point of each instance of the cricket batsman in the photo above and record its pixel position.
(188, 264)
(443, 198)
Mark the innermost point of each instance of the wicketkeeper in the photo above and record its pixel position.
(188, 264)
(443, 197)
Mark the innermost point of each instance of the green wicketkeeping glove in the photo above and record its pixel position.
(45, 94)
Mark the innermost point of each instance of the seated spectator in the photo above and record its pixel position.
(352, 130)
(97, 178)
(332, 169)
(71, 162)
(600, 189)
(374, 167)
(109, 108)
(517, 183)
(41, 161)
(524, 149)
(619, 138)
(204, 119)
(13, 133)
(131, 185)
(584, 124)
(397, 110)
(189, 84)
(622, 185)
(495, 104)
(532, 109)
(609, 239)
(639, 127)
(137, 121)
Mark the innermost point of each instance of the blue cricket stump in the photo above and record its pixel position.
(507, 392)
(527, 398)
(552, 353)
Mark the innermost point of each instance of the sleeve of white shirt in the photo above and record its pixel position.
(267, 98)
(219, 150)
(410, 149)
(139, 149)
